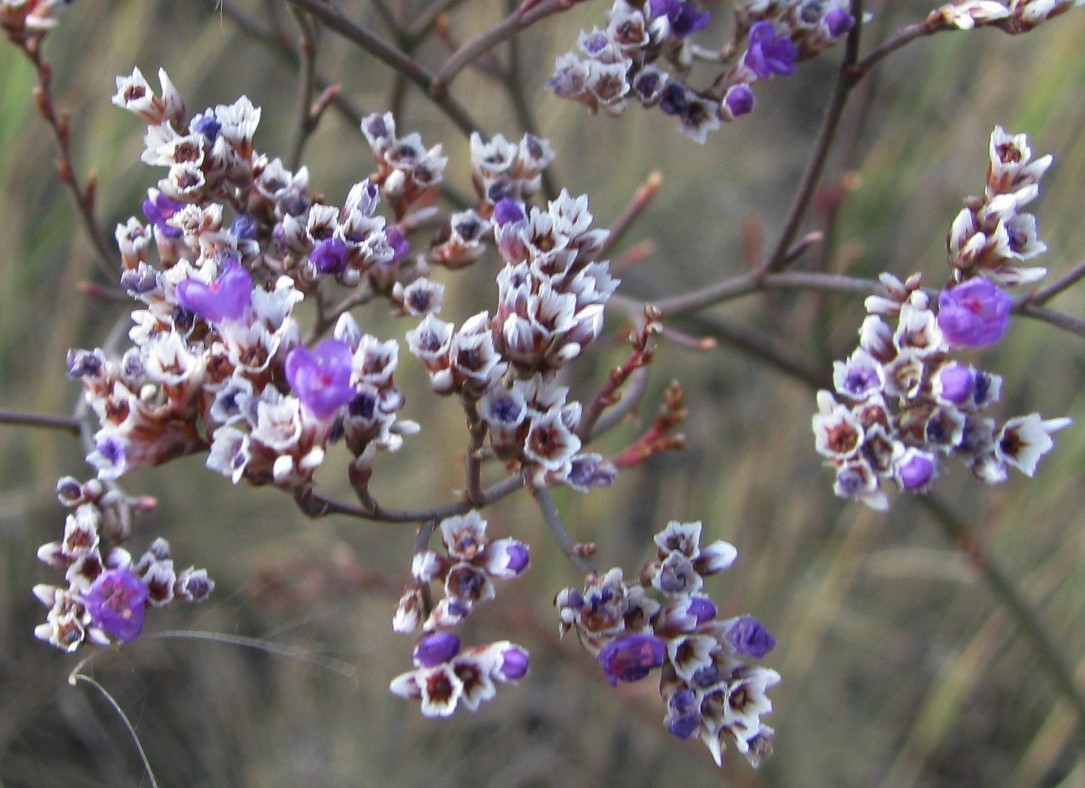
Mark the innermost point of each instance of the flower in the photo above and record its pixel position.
(769, 54)
(632, 657)
(225, 299)
(975, 313)
(117, 603)
(321, 377)
(748, 637)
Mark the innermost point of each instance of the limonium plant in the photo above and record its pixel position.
(250, 343)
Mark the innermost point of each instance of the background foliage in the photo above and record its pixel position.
(898, 667)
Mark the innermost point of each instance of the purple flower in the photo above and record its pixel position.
(749, 638)
(514, 663)
(161, 209)
(701, 608)
(506, 211)
(684, 17)
(838, 22)
(956, 383)
(769, 54)
(226, 298)
(975, 313)
(683, 714)
(329, 256)
(321, 377)
(117, 603)
(632, 657)
(245, 226)
(915, 470)
(674, 100)
(739, 100)
(435, 649)
(397, 242)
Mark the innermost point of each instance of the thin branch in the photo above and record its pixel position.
(1042, 295)
(317, 506)
(24, 419)
(476, 430)
(1015, 605)
(644, 195)
(1075, 325)
(305, 123)
(901, 38)
(557, 528)
(845, 81)
(488, 39)
(394, 58)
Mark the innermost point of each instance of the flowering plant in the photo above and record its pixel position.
(307, 329)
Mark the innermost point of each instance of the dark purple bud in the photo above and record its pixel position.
(769, 54)
(139, 280)
(975, 313)
(683, 714)
(514, 663)
(739, 100)
(686, 19)
(329, 256)
(748, 638)
(245, 227)
(674, 100)
(435, 649)
(225, 299)
(838, 22)
(321, 378)
(916, 470)
(117, 603)
(69, 491)
(506, 211)
(701, 608)
(632, 657)
(208, 127)
(589, 471)
(161, 209)
(85, 363)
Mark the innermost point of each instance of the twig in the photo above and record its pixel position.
(476, 430)
(488, 39)
(1041, 295)
(1075, 325)
(557, 528)
(317, 506)
(845, 81)
(644, 195)
(70, 424)
(394, 58)
(306, 78)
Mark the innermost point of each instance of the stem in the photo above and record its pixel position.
(557, 528)
(845, 81)
(319, 506)
(1042, 295)
(394, 58)
(1015, 605)
(488, 39)
(1075, 325)
(306, 79)
(82, 195)
(67, 423)
(641, 199)
(902, 37)
(476, 429)
(751, 283)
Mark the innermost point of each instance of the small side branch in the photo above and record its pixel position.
(574, 551)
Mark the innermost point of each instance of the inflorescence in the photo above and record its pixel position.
(907, 401)
(708, 687)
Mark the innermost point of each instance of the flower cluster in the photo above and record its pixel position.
(444, 675)
(708, 687)
(551, 296)
(1019, 16)
(108, 593)
(907, 401)
(991, 237)
(645, 51)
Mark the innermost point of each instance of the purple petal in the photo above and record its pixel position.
(749, 638)
(975, 313)
(117, 604)
(321, 378)
(632, 657)
(435, 649)
(225, 299)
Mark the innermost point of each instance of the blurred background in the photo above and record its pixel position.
(898, 666)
